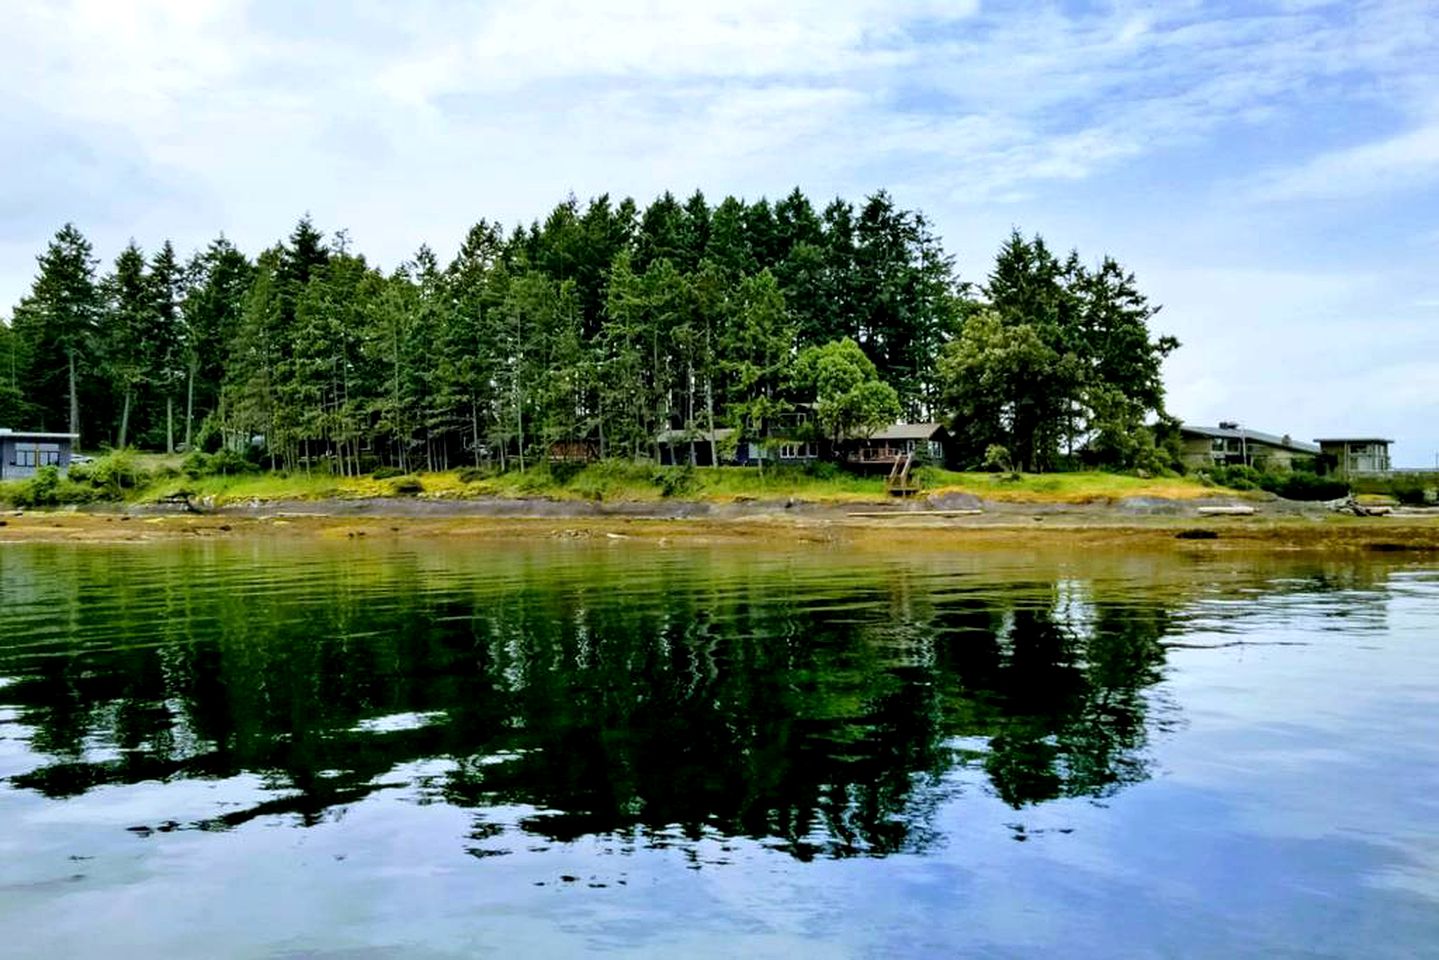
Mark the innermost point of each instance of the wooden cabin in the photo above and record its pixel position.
(22, 452)
(915, 443)
(700, 448)
(574, 451)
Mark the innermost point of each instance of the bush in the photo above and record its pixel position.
(1291, 485)
(386, 473)
(1307, 486)
(674, 481)
(475, 474)
(822, 470)
(1412, 491)
(407, 486)
(224, 463)
(48, 489)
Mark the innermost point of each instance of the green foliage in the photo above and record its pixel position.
(850, 399)
(1415, 490)
(386, 473)
(223, 463)
(116, 473)
(407, 486)
(997, 458)
(1301, 485)
(47, 488)
(675, 481)
(1061, 357)
(1289, 484)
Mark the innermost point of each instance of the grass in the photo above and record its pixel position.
(618, 481)
(152, 477)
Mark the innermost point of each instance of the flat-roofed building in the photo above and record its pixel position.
(23, 452)
(1352, 456)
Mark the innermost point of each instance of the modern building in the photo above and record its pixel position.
(1349, 457)
(1231, 444)
(22, 452)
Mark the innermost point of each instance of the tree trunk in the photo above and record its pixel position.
(74, 397)
(190, 409)
(169, 423)
(125, 417)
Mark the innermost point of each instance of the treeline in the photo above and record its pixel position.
(603, 324)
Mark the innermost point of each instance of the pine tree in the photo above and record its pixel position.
(127, 323)
(57, 328)
(167, 339)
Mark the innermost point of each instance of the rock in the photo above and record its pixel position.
(1149, 506)
(953, 501)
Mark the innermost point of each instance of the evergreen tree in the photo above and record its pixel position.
(12, 404)
(167, 347)
(219, 279)
(127, 328)
(56, 324)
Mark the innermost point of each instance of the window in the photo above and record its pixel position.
(795, 451)
(38, 455)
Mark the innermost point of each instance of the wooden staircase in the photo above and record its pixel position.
(901, 482)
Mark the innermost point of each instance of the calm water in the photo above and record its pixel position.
(256, 749)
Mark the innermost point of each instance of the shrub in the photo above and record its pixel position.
(48, 489)
(386, 473)
(1410, 490)
(822, 470)
(223, 463)
(996, 459)
(475, 474)
(117, 472)
(674, 481)
(1307, 486)
(407, 486)
(1291, 485)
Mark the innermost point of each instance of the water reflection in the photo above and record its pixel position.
(823, 708)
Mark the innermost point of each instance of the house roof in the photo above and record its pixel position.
(1250, 436)
(909, 431)
(32, 435)
(1353, 440)
(698, 436)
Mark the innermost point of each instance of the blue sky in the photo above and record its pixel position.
(1269, 170)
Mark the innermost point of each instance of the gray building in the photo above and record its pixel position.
(1230, 444)
(1353, 456)
(22, 452)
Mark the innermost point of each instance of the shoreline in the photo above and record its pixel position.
(957, 524)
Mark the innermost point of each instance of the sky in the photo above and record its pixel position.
(1269, 170)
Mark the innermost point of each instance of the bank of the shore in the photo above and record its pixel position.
(941, 523)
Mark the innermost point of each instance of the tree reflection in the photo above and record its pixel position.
(826, 717)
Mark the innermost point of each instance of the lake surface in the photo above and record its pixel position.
(279, 749)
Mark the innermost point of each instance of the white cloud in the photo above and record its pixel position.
(1408, 160)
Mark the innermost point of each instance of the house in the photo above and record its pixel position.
(881, 450)
(702, 448)
(1348, 457)
(1231, 444)
(22, 453)
(584, 450)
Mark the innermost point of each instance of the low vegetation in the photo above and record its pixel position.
(224, 478)
(1289, 484)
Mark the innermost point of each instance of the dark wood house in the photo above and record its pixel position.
(700, 448)
(914, 443)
